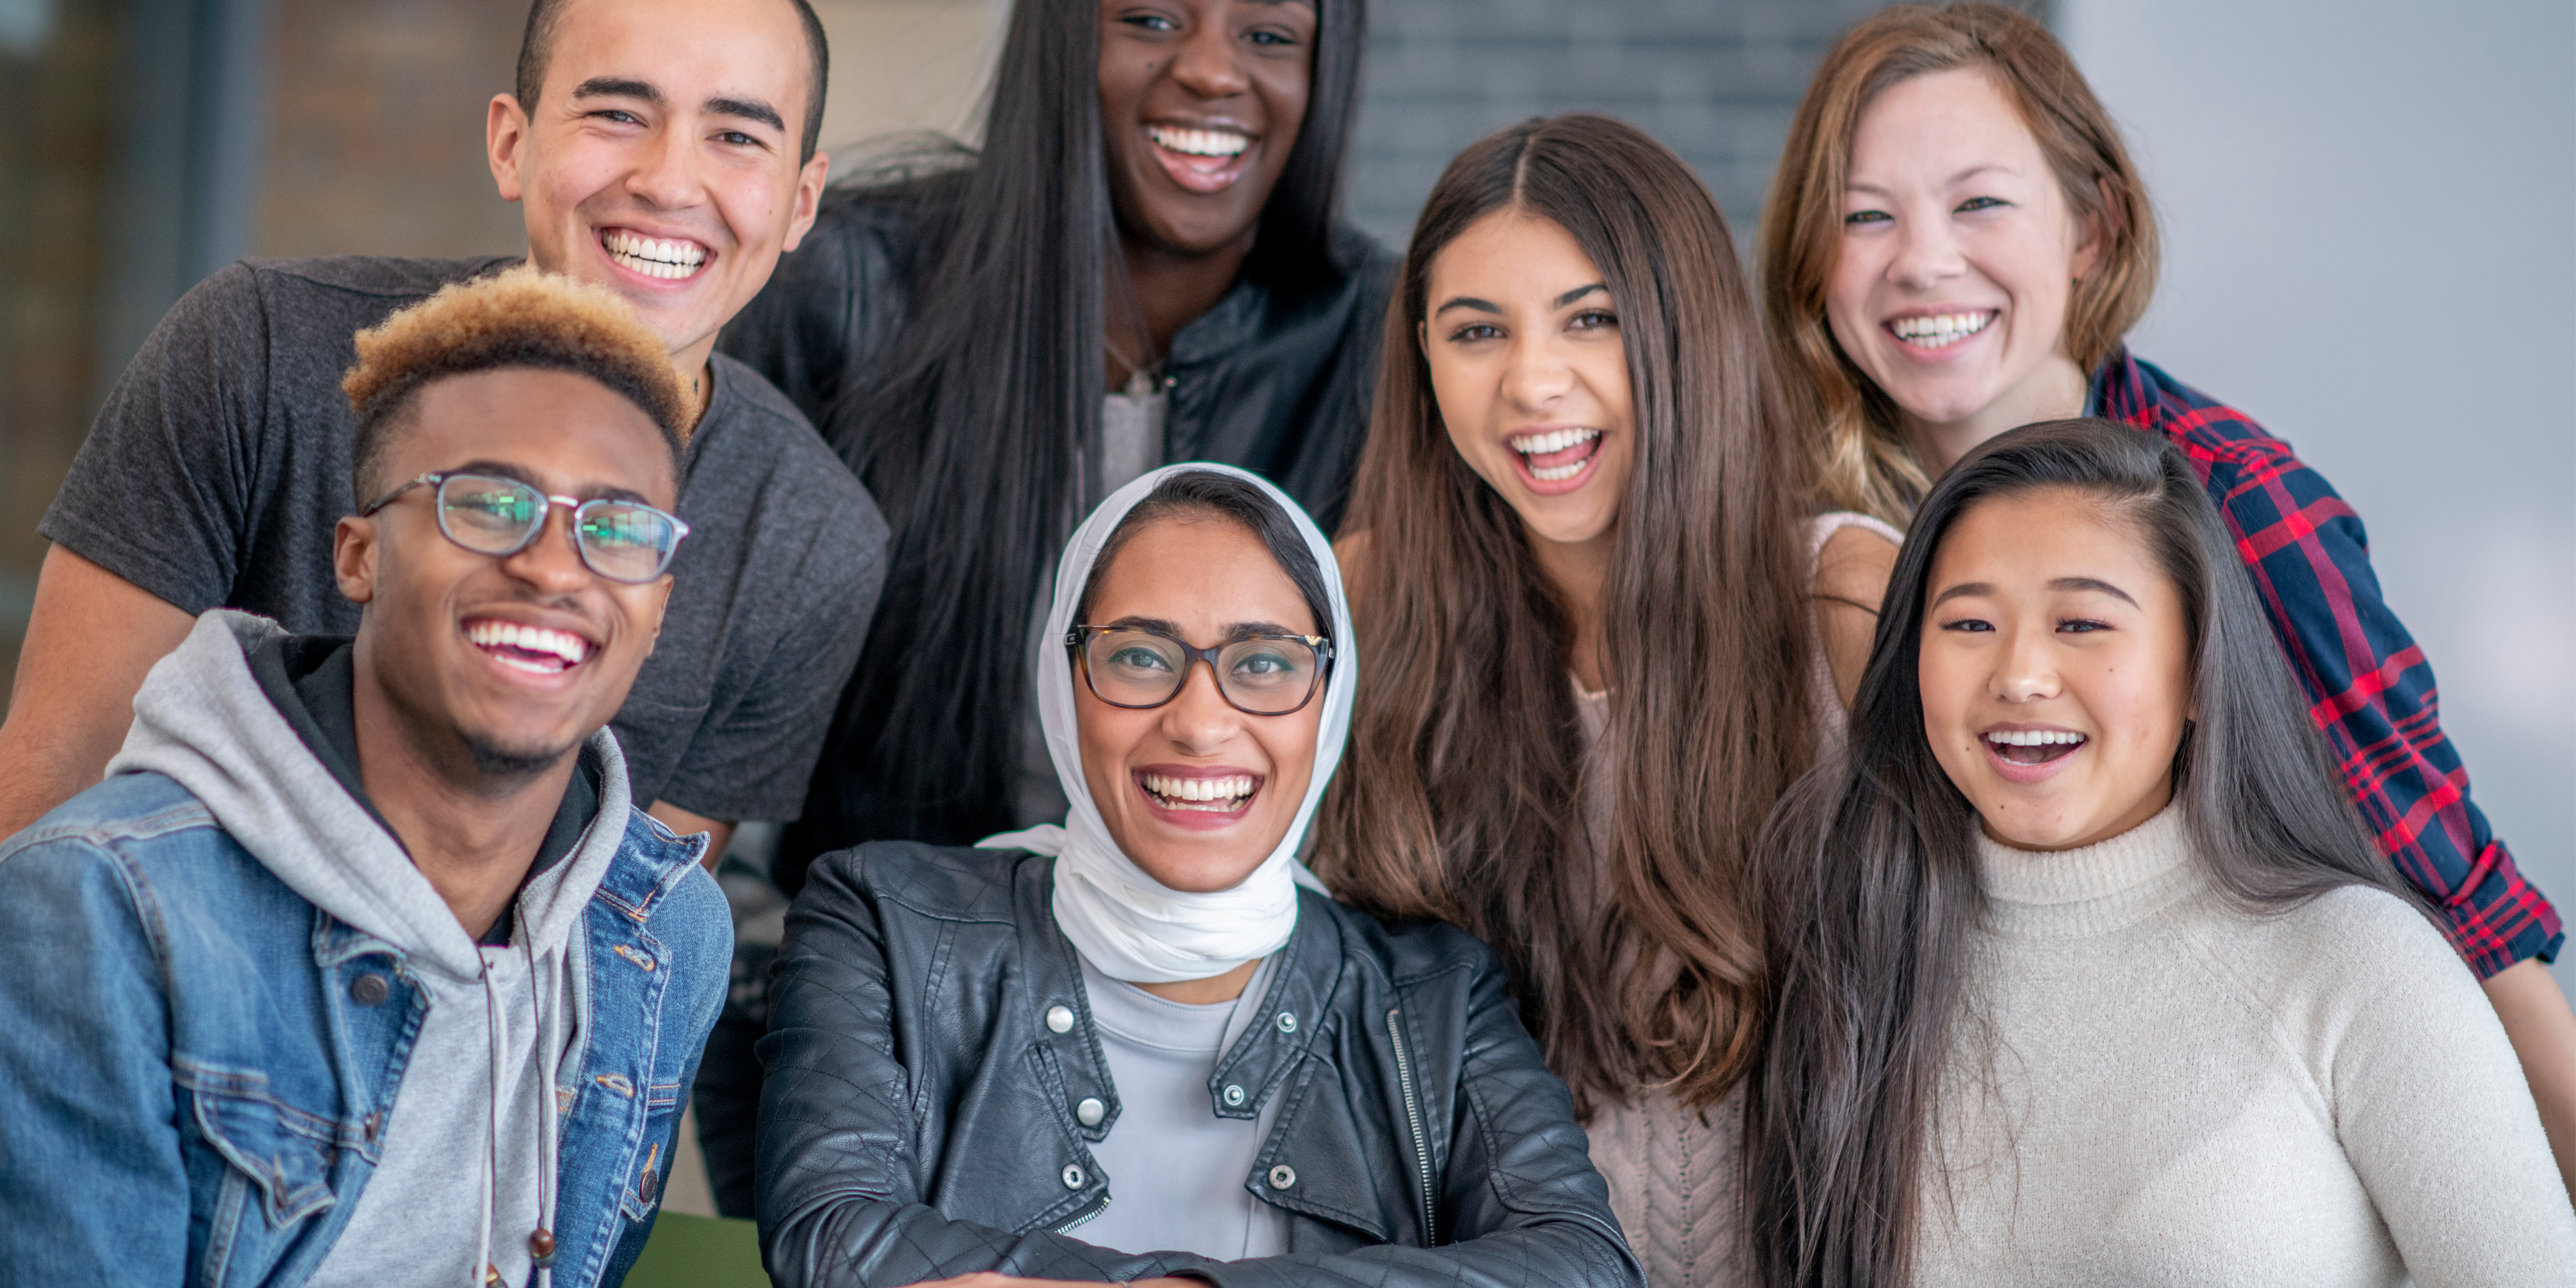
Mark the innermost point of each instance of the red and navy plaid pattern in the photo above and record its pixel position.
(2368, 684)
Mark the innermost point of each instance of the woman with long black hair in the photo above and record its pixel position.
(1141, 264)
(2084, 969)
(1151, 213)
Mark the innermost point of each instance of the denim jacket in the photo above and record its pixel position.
(196, 1062)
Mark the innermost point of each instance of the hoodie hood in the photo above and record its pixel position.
(486, 1059)
(202, 719)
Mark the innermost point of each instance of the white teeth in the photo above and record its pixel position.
(653, 256)
(528, 639)
(1941, 330)
(1199, 143)
(1219, 794)
(1555, 440)
(2033, 737)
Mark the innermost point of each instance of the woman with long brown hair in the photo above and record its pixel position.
(1955, 244)
(1585, 580)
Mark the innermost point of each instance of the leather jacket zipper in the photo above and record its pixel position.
(1413, 1118)
(1084, 1219)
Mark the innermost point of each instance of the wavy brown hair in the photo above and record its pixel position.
(1859, 458)
(1462, 793)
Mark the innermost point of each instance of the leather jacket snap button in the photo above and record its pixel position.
(369, 989)
(1287, 1022)
(1072, 1177)
(1282, 1176)
(1090, 1112)
(1060, 1019)
(1234, 1093)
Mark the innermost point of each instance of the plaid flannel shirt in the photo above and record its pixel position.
(2368, 684)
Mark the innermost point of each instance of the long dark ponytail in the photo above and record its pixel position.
(975, 434)
(1872, 878)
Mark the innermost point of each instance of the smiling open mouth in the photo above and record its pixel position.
(1941, 330)
(1226, 795)
(653, 256)
(1201, 160)
(2033, 746)
(534, 649)
(1558, 454)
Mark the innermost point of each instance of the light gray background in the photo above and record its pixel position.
(2369, 248)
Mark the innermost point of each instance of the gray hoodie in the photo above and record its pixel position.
(469, 1155)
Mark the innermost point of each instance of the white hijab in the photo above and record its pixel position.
(1126, 923)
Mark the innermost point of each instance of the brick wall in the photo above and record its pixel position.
(1716, 80)
(375, 128)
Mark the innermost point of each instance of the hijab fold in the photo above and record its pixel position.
(1122, 920)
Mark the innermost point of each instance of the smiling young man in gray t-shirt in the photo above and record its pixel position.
(672, 172)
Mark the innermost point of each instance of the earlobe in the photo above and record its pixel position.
(810, 183)
(505, 132)
(353, 559)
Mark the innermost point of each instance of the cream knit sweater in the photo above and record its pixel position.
(2152, 1086)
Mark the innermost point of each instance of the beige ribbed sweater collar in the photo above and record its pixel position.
(2091, 890)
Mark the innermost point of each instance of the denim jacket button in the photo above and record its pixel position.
(1060, 1019)
(1234, 1093)
(1090, 1111)
(1287, 1022)
(1282, 1176)
(370, 989)
(1072, 1176)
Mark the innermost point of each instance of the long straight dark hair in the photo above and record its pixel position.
(1872, 872)
(1462, 797)
(976, 435)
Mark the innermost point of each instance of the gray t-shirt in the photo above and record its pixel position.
(220, 464)
(1176, 1170)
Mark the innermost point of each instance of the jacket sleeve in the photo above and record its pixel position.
(840, 1193)
(85, 1089)
(699, 905)
(1520, 1202)
(2371, 692)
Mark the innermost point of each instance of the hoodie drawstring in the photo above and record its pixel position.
(484, 1273)
(541, 1237)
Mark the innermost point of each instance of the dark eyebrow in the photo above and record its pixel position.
(1578, 293)
(1467, 302)
(2094, 584)
(1962, 590)
(618, 87)
(516, 474)
(1251, 630)
(749, 109)
(1233, 631)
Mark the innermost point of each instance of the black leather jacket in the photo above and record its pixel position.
(918, 1117)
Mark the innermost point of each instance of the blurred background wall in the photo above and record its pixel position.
(2366, 205)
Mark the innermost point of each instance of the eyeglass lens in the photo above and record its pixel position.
(1142, 669)
(618, 540)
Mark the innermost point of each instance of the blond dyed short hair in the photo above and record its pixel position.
(522, 318)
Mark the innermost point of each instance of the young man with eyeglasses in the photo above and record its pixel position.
(361, 967)
(663, 149)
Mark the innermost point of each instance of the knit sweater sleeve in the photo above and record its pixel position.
(2430, 1103)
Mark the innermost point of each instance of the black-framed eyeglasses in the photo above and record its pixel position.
(621, 540)
(1258, 675)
